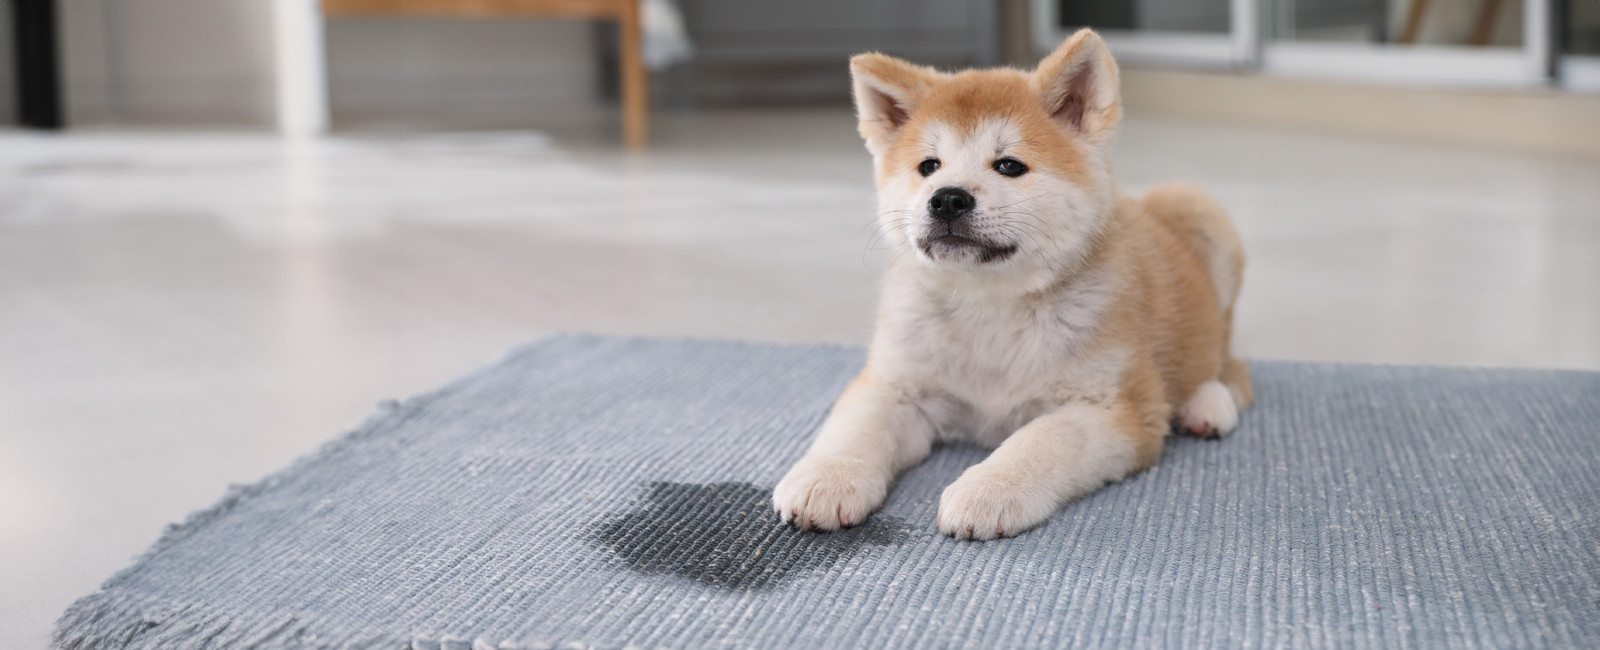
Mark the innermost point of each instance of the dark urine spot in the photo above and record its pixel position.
(727, 535)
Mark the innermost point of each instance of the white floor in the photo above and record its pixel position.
(182, 311)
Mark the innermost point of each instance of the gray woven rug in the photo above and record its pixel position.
(594, 492)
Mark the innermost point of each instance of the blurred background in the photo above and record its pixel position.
(229, 227)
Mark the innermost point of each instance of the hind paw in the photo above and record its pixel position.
(1210, 412)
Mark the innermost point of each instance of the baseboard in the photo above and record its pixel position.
(1539, 120)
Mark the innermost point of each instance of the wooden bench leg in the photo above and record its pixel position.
(635, 80)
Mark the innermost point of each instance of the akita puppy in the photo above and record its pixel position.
(1037, 310)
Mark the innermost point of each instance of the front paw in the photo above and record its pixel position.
(829, 492)
(982, 506)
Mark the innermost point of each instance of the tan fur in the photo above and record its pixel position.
(1065, 325)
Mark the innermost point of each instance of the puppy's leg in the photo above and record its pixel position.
(1236, 376)
(873, 433)
(1213, 410)
(1051, 460)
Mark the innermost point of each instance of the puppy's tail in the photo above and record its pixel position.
(1200, 222)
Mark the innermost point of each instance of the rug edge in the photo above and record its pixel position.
(386, 414)
(107, 620)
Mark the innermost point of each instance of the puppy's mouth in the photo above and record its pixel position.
(953, 245)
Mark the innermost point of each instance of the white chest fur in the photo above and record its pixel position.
(985, 362)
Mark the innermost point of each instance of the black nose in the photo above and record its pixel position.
(951, 203)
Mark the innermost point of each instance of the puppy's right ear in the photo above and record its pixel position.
(887, 91)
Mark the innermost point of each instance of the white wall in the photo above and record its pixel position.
(167, 60)
(500, 72)
(211, 62)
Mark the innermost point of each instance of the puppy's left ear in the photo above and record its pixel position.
(1078, 85)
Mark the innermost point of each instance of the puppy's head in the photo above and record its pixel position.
(990, 170)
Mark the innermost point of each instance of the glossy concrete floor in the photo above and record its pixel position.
(180, 311)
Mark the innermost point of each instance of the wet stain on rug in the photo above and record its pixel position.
(727, 535)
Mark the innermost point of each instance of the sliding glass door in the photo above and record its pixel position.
(1444, 42)
(1204, 33)
(1482, 43)
(1579, 65)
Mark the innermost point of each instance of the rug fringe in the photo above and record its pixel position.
(109, 621)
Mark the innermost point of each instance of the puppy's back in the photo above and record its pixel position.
(1189, 213)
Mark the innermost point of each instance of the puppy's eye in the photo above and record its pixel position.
(1010, 167)
(928, 167)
